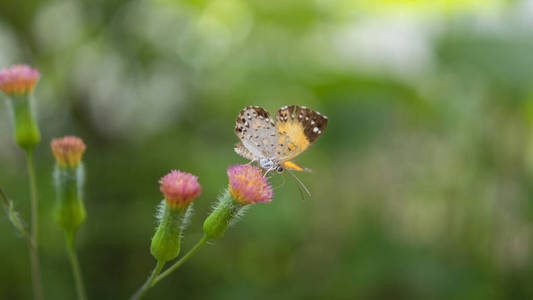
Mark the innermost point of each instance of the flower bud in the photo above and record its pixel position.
(68, 151)
(179, 189)
(216, 224)
(18, 82)
(246, 186)
(69, 212)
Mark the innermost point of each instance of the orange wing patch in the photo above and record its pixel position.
(291, 138)
(289, 165)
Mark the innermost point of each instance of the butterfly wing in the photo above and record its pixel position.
(257, 132)
(297, 128)
(244, 152)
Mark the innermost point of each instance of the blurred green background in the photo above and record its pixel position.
(422, 184)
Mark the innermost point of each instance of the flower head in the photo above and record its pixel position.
(248, 185)
(68, 151)
(179, 188)
(18, 80)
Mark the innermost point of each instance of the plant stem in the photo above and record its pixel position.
(76, 270)
(154, 278)
(34, 251)
(182, 260)
(148, 283)
(4, 196)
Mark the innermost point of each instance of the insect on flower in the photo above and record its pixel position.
(273, 144)
(248, 185)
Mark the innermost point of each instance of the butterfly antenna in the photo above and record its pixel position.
(302, 196)
(301, 186)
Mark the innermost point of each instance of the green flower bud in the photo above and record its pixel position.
(247, 186)
(179, 189)
(166, 242)
(18, 82)
(27, 132)
(69, 212)
(222, 217)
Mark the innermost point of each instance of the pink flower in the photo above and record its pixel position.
(68, 151)
(18, 80)
(248, 185)
(179, 188)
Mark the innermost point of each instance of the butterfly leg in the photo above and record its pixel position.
(267, 171)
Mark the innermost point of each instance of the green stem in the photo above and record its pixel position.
(76, 270)
(34, 251)
(4, 196)
(182, 260)
(148, 284)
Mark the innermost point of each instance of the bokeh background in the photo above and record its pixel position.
(422, 184)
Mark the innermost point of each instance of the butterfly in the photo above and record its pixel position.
(274, 143)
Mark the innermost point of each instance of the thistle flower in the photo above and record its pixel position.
(69, 212)
(179, 188)
(247, 185)
(18, 80)
(68, 151)
(68, 177)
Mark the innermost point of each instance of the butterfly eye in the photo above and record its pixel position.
(279, 170)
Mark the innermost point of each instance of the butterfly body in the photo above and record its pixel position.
(274, 143)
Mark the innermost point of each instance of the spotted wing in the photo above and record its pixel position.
(297, 128)
(257, 132)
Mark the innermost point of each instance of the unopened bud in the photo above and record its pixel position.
(247, 186)
(179, 189)
(68, 178)
(18, 82)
